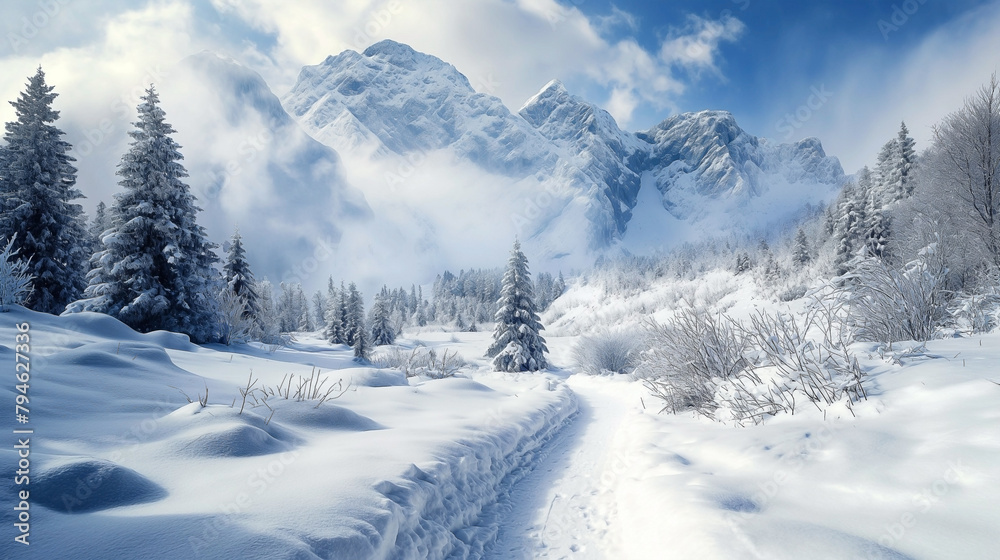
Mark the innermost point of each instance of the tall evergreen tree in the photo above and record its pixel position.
(801, 255)
(336, 315)
(850, 230)
(886, 177)
(517, 344)
(382, 330)
(356, 331)
(354, 317)
(319, 308)
(100, 224)
(362, 344)
(877, 234)
(37, 190)
(267, 317)
(157, 268)
(907, 158)
(238, 276)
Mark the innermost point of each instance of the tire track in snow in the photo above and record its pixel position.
(564, 508)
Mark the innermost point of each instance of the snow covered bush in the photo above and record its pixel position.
(15, 277)
(746, 372)
(975, 313)
(889, 305)
(417, 361)
(794, 359)
(236, 325)
(689, 354)
(609, 352)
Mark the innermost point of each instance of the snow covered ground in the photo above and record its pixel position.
(122, 466)
(487, 465)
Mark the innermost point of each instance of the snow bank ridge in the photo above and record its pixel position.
(452, 508)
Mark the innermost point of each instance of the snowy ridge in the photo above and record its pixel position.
(451, 510)
(591, 139)
(698, 157)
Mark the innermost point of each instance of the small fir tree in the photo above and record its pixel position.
(517, 342)
(238, 276)
(382, 330)
(801, 255)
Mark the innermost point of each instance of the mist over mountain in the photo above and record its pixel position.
(392, 157)
(252, 166)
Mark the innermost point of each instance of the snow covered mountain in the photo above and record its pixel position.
(418, 136)
(251, 165)
(411, 102)
(591, 140)
(694, 156)
(390, 160)
(561, 168)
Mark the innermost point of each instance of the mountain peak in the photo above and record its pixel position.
(554, 91)
(554, 87)
(395, 53)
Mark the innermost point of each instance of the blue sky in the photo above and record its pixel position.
(787, 46)
(787, 70)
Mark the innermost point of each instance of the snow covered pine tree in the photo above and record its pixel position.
(156, 269)
(238, 276)
(37, 190)
(517, 344)
(382, 330)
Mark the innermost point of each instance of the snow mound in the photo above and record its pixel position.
(108, 327)
(111, 376)
(794, 539)
(327, 416)
(379, 378)
(131, 359)
(92, 485)
(237, 440)
(221, 431)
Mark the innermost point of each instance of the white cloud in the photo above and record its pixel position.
(696, 45)
(621, 104)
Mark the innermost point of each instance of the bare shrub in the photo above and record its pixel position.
(689, 354)
(795, 357)
(609, 352)
(975, 313)
(421, 362)
(793, 293)
(746, 372)
(314, 387)
(889, 305)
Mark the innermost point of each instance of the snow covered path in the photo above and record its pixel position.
(564, 508)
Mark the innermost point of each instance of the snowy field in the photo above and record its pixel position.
(485, 465)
